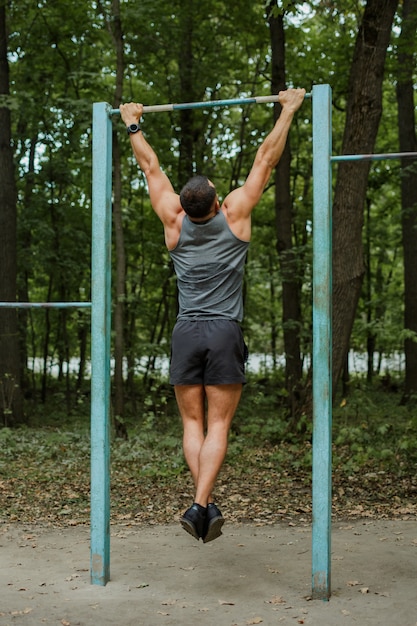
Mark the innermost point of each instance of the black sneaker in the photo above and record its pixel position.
(194, 520)
(214, 523)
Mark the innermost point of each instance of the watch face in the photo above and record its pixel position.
(133, 128)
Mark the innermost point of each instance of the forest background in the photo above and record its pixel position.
(56, 59)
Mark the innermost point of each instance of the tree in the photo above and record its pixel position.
(363, 112)
(115, 27)
(11, 408)
(291, 288)
(51, 150)
(408, 143)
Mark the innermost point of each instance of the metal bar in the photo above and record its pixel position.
(100, 345)
(322, 342)
(44, 305)
(160, 108)
(373, 157)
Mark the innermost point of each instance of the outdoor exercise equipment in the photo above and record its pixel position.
(322, 332)
(45, 305)
(322, 329)
(322, 389)
(161, 108)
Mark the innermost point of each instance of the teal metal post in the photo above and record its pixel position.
(100, 345)
(322, 342)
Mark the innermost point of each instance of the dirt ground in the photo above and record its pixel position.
(251, 575)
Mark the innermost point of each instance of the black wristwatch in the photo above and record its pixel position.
(132, 129)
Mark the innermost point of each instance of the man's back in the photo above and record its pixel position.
(209, 263)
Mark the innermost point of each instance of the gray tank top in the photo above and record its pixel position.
(209, 262)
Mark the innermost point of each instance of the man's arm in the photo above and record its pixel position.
(164, 200)
(239, 204)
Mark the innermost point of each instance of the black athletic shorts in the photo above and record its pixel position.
(208, 352)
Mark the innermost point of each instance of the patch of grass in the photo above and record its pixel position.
(44, 468)
(372, 427)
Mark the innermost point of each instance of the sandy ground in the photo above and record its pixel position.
(250, 575)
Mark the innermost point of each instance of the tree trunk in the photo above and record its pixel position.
(46, 342)
(408, 143)
(364, 109)
(25, 243)
(11, 404)
(370, 332)
(119, 310)
(186, 159)
(291, 308)
(82, 342)
(273, 318)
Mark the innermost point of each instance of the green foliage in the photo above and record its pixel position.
(58, 68)
(372, 429)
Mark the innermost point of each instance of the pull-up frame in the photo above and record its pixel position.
(101, 270)
(322, 329)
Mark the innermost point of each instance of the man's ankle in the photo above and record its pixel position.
(200, 507)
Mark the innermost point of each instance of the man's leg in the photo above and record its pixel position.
(222, 402)
(205, 454)
(191, 404)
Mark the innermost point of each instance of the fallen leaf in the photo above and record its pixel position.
(365, 590)
(277, 600)
(255, 620)
(385, 498)
(24, 612)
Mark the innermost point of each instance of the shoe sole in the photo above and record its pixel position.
(189, 528)
(214, 530)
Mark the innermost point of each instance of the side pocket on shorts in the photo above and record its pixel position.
(245, 350)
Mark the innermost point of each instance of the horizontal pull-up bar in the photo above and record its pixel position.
(44, 305)
(160, 108)
(373, 157)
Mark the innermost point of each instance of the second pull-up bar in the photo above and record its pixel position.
(373, 157)
(160, 108)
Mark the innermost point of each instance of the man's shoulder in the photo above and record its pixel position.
(239, 224)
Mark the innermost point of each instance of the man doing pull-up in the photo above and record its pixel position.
(208, 243)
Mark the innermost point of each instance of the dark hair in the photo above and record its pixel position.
(197, 196)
